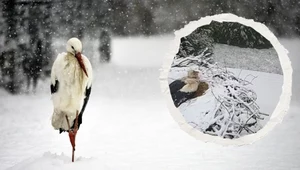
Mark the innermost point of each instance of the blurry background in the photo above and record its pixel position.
(29, 28)
(127, 125)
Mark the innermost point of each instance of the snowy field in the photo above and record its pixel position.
(249, 59)
(127, 124)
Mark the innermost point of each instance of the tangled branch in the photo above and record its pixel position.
(236, 112)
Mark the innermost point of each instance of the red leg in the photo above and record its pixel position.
(72, 134)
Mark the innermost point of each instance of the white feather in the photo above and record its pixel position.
(72, 85)
(191, 85)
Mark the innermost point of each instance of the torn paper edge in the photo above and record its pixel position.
(284, 101)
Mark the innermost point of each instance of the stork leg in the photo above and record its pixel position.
(72, 134)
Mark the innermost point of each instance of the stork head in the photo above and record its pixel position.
(74, 47)
(193, 74)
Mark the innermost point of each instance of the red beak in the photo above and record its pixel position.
(80, 61)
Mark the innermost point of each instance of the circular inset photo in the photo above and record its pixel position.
(226, 78)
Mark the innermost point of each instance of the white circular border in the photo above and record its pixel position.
(282, 106)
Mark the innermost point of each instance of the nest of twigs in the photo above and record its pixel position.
(236, 112)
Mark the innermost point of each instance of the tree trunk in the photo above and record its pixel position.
(105, 46)
(10, 68)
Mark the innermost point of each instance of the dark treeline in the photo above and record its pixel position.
(204, 38)
(147, 17)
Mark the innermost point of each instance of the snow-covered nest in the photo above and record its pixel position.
(228, 109)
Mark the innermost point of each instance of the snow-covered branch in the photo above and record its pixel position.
(236, 113)
(195, 60)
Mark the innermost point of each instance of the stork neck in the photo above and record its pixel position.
(70, 53)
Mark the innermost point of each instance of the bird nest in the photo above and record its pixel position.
(236, 112)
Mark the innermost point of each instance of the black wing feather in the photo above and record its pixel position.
(181, 97)
(176, 85)
(178, 96)
(54, 88)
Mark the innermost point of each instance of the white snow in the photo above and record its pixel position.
(267, 98)
(254, 59)
(127, 124)
(56, 162)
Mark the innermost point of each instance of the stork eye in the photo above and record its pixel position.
(72, 47)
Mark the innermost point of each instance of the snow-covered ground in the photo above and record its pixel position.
(127, 124)
(248, 59)
(194, 111)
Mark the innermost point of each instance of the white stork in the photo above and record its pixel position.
(71, 83)
(185, 89)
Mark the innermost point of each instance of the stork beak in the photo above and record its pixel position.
(81, 63)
